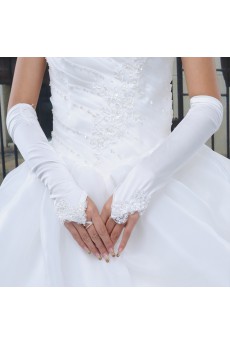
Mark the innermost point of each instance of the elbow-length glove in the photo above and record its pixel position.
(70, 201)
(155, 170)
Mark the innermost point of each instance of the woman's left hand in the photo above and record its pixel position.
(114, 229)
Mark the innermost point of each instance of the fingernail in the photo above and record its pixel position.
(106, 257)
(112, 252)
(119, 251)
(88, 251)
(98, 256)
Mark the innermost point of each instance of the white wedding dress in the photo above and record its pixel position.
(107, 114)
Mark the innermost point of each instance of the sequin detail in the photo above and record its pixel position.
(120, 211)
(117, 115)
(105, 105)
(66, 212)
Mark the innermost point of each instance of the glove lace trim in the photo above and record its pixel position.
(138, 203)
(68, 213)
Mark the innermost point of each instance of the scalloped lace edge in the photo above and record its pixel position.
(120, 211)
(67, 213)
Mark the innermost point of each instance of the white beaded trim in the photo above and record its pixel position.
(120, 211)
(69, 213)
(113, 120)
(117, 115)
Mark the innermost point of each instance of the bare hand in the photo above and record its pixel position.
(114, 229)
(95, 239)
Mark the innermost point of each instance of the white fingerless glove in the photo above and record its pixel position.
(69, 199)
(156, 169)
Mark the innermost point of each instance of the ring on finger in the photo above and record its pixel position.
(88, 223)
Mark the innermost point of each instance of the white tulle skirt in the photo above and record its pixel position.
(183, 239)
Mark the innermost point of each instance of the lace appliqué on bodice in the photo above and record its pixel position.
(101, 104)
(113, 120)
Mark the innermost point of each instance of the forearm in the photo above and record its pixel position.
(184, 141)
(41, 158)
(155, 170)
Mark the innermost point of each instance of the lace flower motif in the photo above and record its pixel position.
(120, 211)
(116, 116)
(66, 212)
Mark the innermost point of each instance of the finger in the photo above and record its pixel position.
(103, 233)
(132, 219)
(98, 242)
(87, 240)
(116, 232)
(110, 224)
(105, 214)
(76, 236)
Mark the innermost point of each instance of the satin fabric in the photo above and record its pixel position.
(183, 239)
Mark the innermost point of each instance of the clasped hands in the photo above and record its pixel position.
(102, 235)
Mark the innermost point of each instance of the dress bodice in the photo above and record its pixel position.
(108, 111)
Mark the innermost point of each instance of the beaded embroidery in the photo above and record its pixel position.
(118, 113)
(68, 213)
(120, 211)
(113, 120)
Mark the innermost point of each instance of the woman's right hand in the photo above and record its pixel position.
(95, 239)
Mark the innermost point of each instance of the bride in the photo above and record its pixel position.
(115, 198)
